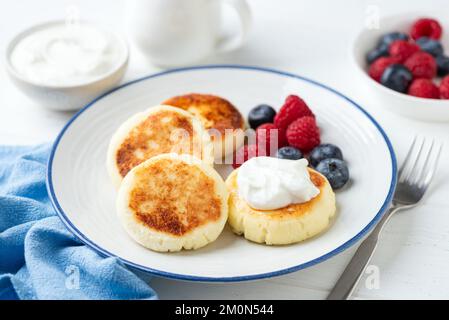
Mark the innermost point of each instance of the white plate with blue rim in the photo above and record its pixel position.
(84, 198)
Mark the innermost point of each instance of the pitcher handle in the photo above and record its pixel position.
(236, 40)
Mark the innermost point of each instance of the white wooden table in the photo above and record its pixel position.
(310, 38)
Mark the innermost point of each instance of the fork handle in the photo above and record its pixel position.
(351, 275)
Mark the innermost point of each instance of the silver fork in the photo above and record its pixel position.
(415, 176)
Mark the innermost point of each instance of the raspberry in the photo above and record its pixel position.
(303, 134)
(294, 107)
(245, 153)
(402, 49)
(378, 67)
(424, 88)
(422, 65)
(444, 88)
(269, 137)
(426, 28)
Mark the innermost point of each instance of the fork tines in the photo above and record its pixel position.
(421, 161)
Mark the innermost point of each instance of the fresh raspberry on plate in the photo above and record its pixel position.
(303, 134)
(444, 88)
(245, 153)
(294, 107)
(402, 49)
(426, 28)
(424, 88)
(269, 137)
(378, 67)
(422, 65)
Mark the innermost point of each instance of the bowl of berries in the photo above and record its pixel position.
(406, 63)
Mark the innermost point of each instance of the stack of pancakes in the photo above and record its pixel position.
(171, 198)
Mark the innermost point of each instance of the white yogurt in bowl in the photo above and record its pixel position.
(67, 54)
(64, 66)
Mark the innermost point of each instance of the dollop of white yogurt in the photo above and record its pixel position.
(64, 54)
(268, 183)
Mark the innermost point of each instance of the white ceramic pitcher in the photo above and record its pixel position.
(179, 32)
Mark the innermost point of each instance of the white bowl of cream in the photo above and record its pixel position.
(268, 183)
(64, 66)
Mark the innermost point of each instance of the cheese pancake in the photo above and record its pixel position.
(172, 202)
(293, 223)
(223, 121)
(160, 129)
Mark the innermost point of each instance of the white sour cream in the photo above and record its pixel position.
(268, 183)
(61, 54)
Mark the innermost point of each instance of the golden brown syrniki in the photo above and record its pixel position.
(172, 202)
(223, 121)
(160, 129)
(290, 224)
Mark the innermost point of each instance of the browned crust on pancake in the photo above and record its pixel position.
(316, 178)
(152, 130)
(174, 197)
(220, 113)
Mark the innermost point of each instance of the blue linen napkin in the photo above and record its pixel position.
(39, 257)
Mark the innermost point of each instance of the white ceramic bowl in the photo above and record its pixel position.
(403, 104)
(65, 97)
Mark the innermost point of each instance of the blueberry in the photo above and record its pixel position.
(261, 114)
(289, 153)
(431, 46)
(335, 170)
(324, 151)
(396, 77)
(380, 51)
(393, 36)
(443, 65)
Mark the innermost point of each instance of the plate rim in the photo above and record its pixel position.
(66, 221)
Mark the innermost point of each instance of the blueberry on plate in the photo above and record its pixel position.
(393, 36)
(396, 77)
(379, 51)
(335, 170)
(290, 153)
(431, 46)
(443, 65)
(324, 151)
(261, 114)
